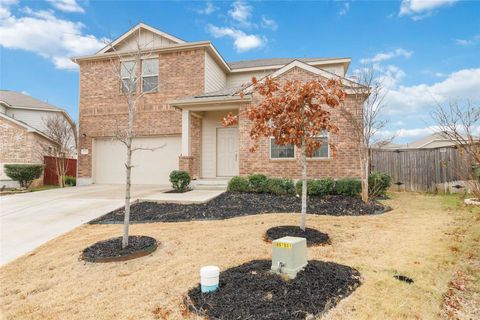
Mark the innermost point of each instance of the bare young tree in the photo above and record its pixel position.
(63, 134)
(367, 121)
(126, 69)
(459, 122)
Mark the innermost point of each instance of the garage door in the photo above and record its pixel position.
(150, 167)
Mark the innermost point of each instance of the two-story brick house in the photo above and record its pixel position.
(194, 88)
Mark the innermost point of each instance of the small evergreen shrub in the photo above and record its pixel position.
(180, 180)
(378, 183)
(238, 184)
(70, 181)
(280, 186)
(24, 173)
(321, 187)
(348, 187)
(258, 183)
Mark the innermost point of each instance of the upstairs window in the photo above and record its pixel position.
(281, 152)
(150, 75)
(324, 150)
(129, 76)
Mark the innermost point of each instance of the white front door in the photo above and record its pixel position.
(227, 152)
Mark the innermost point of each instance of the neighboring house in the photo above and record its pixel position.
(196, 89)
(432, 141)
(21, 130)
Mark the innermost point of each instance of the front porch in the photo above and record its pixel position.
(210, 151)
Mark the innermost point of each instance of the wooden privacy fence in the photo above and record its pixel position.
(421, 169)
(50, 176)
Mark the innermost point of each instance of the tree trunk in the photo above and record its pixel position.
(303, 158)
(128, 168)
(365, 171)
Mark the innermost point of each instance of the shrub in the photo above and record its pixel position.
(24, 173)
(258, 183)
(280, 186)
(238, 184)
(180, 180)
(70, 181)
(378, 183)
(348, 187)
(321, 187)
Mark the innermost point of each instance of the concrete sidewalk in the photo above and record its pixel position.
(28, 220)
(194, 196)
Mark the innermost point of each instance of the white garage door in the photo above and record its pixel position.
(150, 167)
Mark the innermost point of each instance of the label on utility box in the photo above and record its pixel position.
(282, 245)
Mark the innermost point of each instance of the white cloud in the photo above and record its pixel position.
(43, 33)
(242, 41)
(383, 56)
(269, 23)
(390, 76)
(419, 9)
(208, 9)
(344, 8)
(469, 42)
(417, 99)
(67, 5)
(241, 12)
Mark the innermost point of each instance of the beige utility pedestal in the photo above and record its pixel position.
(289, 255)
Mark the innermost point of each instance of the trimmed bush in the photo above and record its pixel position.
(24, 173)
(378, 183)
(238, 184)
(348, 187)
(258, 183)
(321, 187)
(180, 180)
(70, 181)
(280, 186)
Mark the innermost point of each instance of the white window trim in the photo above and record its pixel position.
(280, 159)
(150, 76)
(327, 135)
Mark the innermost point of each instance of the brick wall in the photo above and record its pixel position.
(19, 146)
(103, 108)
(345, 164)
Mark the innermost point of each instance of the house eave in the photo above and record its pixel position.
(208, 101)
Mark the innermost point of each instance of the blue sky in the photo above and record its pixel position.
(426, 51)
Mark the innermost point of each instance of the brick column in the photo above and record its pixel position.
(185, 163)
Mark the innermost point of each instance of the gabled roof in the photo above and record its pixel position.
(25, 126)
(349, 84)
(136, 28)
(15, 99)
(279, 62)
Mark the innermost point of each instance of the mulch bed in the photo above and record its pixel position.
(313, 236)
(230, 205)
(251, 291)
(111, 250)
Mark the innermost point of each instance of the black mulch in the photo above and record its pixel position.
(313, 236)
(230, 205)
(251, 291)
(111, 249)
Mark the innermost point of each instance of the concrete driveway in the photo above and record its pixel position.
(30, 219)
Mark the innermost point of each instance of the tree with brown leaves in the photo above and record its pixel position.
(294, 112)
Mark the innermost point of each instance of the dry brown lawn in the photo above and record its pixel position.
(428, 238)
